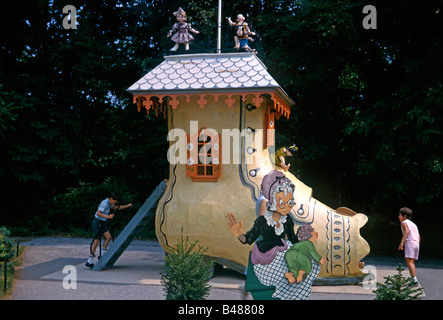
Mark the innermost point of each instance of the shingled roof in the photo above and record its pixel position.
(200, 73)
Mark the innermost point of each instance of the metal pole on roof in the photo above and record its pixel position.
(219, 26)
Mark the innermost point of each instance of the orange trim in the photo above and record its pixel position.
(158, 103)
(204, 179)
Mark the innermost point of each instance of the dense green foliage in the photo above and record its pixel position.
(6, 245)
(367, 119)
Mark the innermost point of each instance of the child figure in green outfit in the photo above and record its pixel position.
(298, 257)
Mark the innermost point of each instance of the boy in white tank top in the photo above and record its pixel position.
(410, 241)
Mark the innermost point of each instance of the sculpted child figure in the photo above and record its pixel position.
(298, 257)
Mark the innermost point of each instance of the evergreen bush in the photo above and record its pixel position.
(398, 287)
(186, 274)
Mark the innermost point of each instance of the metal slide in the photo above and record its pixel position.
(132, 229)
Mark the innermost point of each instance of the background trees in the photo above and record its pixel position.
(367, 119)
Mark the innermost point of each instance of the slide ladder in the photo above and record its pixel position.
(132, 229)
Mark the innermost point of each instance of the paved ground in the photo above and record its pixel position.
(49, 262)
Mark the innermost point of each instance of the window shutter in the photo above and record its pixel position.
(269, 138)
(191, 152)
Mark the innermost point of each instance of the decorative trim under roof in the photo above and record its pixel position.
(157, 102)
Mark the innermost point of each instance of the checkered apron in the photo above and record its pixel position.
(273, 274)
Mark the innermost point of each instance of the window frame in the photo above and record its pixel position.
(197, 167)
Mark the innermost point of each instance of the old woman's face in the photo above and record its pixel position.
(284, 202)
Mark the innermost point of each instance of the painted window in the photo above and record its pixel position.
(203, 156)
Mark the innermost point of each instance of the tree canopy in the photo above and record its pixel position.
(368, 102)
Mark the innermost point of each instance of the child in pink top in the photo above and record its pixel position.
(410, 241)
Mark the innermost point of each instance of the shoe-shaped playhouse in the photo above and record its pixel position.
(221, 112)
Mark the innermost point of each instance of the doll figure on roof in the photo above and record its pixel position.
(273, 235)
(242, 33)
(180, 32)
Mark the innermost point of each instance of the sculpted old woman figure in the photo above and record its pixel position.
(273, 235)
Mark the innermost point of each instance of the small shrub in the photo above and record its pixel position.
(7, 259)
(397, 287)
(186, 274)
